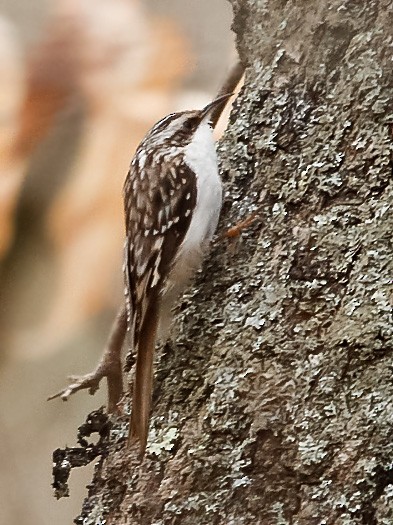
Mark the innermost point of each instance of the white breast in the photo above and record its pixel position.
(201, 157)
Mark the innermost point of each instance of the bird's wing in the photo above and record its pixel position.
(159, 199)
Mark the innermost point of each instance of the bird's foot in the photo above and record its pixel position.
(236, 230)
(109, 367)
(90, 382)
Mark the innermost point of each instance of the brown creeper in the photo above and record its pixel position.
(172, 200)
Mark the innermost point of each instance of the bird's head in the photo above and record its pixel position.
(178, 129)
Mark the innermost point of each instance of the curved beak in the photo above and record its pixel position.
(216, 106)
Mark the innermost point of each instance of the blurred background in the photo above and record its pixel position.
(81, 81)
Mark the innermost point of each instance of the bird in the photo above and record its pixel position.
(172, 200)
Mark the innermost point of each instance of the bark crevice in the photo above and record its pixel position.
(273, 402)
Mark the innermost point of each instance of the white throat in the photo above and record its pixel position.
(202, 146)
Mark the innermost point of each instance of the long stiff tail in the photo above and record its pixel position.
(143, 381)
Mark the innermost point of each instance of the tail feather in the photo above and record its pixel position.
(143, 381)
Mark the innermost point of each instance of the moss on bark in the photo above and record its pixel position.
(273, 405)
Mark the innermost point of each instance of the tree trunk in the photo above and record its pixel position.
(273, 402)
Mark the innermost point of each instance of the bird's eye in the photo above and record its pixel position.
(190, 123)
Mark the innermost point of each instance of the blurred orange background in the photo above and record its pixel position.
(81, 81)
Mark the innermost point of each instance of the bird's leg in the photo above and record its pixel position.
(109, 366)
(236, 230)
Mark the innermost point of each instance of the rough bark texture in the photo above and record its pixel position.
(273, 405)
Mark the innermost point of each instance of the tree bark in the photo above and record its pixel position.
(273, 402)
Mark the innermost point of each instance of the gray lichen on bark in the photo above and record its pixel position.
(273, 405)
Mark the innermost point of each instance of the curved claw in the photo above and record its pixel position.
(90, 382)
(109, 366)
